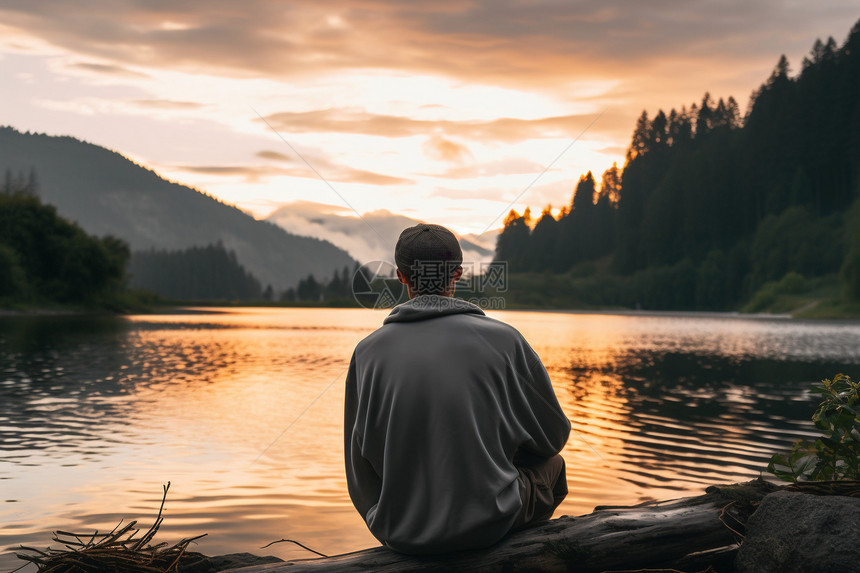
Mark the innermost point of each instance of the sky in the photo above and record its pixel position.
(450, 111)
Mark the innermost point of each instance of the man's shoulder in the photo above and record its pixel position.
(371, 339)
(491, 324)
(458, 323)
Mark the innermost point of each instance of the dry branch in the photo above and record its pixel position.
(109, 552)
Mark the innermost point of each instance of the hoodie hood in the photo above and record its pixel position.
(430, 306)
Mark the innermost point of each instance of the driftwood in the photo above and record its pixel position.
(688, 534)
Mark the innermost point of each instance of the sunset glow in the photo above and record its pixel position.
(447, 112)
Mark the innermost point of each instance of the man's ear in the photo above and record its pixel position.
(458, 274)
(401, 277)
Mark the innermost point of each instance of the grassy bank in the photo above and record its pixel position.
(820, 297)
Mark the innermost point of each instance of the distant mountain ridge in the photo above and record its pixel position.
(107, 193)
(371, 237)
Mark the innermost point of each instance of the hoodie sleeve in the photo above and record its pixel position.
(545, 423)
(362, 481)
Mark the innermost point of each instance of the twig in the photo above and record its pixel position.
(158, 519)
(730, 528)
(297, 543)
(117, 550)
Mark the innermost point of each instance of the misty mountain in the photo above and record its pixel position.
(373, 236)
(106, 193)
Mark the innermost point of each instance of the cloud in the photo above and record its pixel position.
(488, 193)
(578, 58)
(518, 42)
(640, 54)
(613, 150)
(274, 155)
(167, 104)
(438, 147)
(354, 121)
(106, 106)
(250, 173)
(368, 238)
(371, 178)
(108, 69)
(503, 199)
(512, 166)
(321, 166)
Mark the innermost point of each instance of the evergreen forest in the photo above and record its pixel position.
(197, 273)
(713, 208)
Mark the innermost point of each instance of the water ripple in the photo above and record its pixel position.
(96, 413)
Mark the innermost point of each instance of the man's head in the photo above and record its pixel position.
(429, 260)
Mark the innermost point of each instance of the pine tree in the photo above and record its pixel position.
(641, 137)
(583, 197)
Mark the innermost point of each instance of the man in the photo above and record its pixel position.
(452, 429)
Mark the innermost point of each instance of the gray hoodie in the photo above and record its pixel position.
(438, 401)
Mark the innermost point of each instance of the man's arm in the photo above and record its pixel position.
(362, 481)
(545, 423)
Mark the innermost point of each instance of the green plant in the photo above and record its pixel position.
(836, 454)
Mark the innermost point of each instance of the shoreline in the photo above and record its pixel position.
(806, 313)
(722, 527)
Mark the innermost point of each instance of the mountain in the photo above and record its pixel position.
(105, 193)
(370, 238)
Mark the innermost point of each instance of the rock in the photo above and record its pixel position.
(234, 560)
(796, 532)
(199, 563)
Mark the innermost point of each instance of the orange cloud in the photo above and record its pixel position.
(108, 69)
(361, 122)
(324, 167)
(502, 167)
(438, 147)
(275, 155)
(167, 104)
(520, 43)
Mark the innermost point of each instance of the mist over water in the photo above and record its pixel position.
(241, 410)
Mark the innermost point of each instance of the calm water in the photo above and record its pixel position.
(241, 411)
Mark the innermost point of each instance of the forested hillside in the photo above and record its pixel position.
(45, 259)
(712, 205)
(106, 194)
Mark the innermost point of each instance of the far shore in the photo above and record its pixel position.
(809, 310)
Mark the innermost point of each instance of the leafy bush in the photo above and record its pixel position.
(836, 454)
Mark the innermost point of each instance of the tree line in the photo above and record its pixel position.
(214, 273)
(196, 273)
(45, 259)
(710, 204)
(338, 289)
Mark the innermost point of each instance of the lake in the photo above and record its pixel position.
(241, 410)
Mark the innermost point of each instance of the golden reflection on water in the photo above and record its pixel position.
(241, 410)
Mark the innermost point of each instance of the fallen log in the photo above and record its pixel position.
(690, 534)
